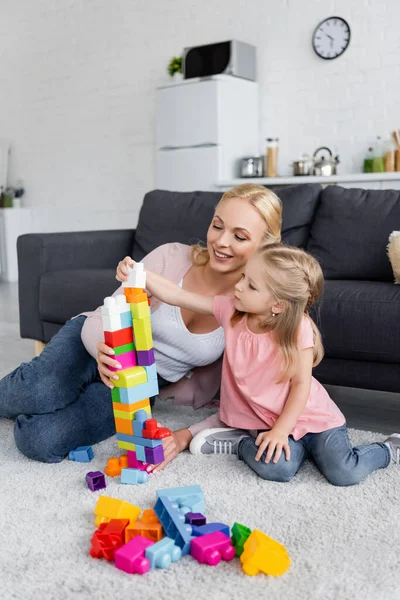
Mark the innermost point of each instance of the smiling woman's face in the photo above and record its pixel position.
(236, 231)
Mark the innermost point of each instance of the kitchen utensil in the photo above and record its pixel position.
(325, 166)
(303, 166)
(251, 166)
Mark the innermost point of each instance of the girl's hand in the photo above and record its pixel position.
(275, 441)
(105, 357)
(123, 269)
(173, 445)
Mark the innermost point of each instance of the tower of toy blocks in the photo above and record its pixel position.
(127, 329)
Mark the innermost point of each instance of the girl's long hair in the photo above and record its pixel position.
(266, 203)
(294, 278)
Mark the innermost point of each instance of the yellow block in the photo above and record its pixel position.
(112, 508)
(126, 446)
(264, 554)
(128, 378)
(124, 426)
(132, 407)
(143, 335)
(140, 310)
(129, 416)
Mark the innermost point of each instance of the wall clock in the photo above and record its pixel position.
(331, 38)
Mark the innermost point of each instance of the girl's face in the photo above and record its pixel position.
(252, 294)
(234, 234)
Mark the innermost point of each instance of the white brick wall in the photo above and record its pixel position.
(78, 81)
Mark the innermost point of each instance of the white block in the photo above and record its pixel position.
(111, 322)
(136, 277)
(109, 307)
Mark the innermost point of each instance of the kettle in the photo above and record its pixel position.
(325, 166)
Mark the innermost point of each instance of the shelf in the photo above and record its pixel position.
(350, 177)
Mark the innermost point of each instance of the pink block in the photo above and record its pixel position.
(209, 549)
(134, 463)
(127, 360)
(131, 557)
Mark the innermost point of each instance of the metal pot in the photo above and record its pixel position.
(304, 166)
(251, 166)
(325, 166)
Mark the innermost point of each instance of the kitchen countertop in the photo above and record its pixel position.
(311, 179)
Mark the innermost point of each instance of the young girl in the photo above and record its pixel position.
(267, 384)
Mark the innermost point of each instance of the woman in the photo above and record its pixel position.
(59, 400)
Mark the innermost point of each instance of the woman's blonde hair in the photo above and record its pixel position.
(266, 203)
(295, 279)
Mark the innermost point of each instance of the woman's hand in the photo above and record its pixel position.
(123, 269)
(276, 441)
(173, 445)
(105, 358)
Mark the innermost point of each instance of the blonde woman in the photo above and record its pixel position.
(267, 386)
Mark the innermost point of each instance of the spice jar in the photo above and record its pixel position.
(271, 159)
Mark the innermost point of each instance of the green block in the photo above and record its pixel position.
(122, 349)
(115, 397)
(240, 533)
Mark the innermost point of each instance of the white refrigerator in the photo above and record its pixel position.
(203, 128)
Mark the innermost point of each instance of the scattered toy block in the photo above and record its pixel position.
(240, 533)
(112, 508)
(189, 498)
(195, 518)
(95, 480)
(149, 516)
(151, 531)
(145, 358)
(211, 548)
(131, 557)
(154, 456)
(263, 554)
(128, 378)
(114, 465)
(163, 553)
(173, 523)
(118, 338)
(133, 476)
(81, 454)
(199, 530)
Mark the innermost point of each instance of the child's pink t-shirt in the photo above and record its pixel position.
(251, 397)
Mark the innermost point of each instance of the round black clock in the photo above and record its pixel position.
(331, 37)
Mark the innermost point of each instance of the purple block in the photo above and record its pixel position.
(95, 480)
(195, 518)
(154, 456)
(145, 358)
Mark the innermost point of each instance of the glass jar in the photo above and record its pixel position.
(271, 158)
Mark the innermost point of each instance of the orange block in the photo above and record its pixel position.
(149, 516)
(132, 407)
(124, 426)
(151, 531)
(114, 465)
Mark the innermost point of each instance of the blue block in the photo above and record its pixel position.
(81, 454)
(135, 439)
(140, 392)
(162, 553)
(190, 498)
(133, 476)
(151, 372)
(140, 453)
(138, 422)
(174, 524)
(126, 319)
(128, 395)
(199, 530)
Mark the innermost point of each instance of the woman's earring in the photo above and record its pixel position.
(273, 314)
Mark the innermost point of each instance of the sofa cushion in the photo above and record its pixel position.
(360, 320)
(185, 216)
(64, 294)
(351, 230)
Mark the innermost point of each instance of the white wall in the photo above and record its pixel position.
(78, 80)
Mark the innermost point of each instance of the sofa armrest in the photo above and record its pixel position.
(42, 253)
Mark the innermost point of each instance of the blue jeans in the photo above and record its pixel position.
(331, 451)
(58, 399)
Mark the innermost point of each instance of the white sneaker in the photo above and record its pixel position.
(224, 440)
(393, 443)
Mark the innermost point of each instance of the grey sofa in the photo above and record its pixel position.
(347, 230)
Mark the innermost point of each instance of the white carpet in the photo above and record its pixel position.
(343, 542)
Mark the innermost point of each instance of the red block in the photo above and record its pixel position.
(153, 431)
(113, 339)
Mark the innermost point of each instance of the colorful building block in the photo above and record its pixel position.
(195, 518)
(131, 557)
(123, 425)
(126, 319)
(133, 406)
(137, 440)
(125, 348)
(149, 516)
(140, 453)
(126, 360)
(136, 277)
(95, 480)
(140, 310)
(133, 476)
(114, 465)
(134, 463)
(143, 335)
(163, 553)
(145, 358)
(118, 338)
(173, 523)
(151, 531)
(133, 296)
(198, 530)
(154, 456)
(211, 548)
(126, 446)
(112, 322)
(112, 508)
(81, 454)
(139, 423)
(262, 554)
(151, 369)
(132, 377)
(240, 533)
(138, 392)
(153, 431)
(107, 538)
(189, 498)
